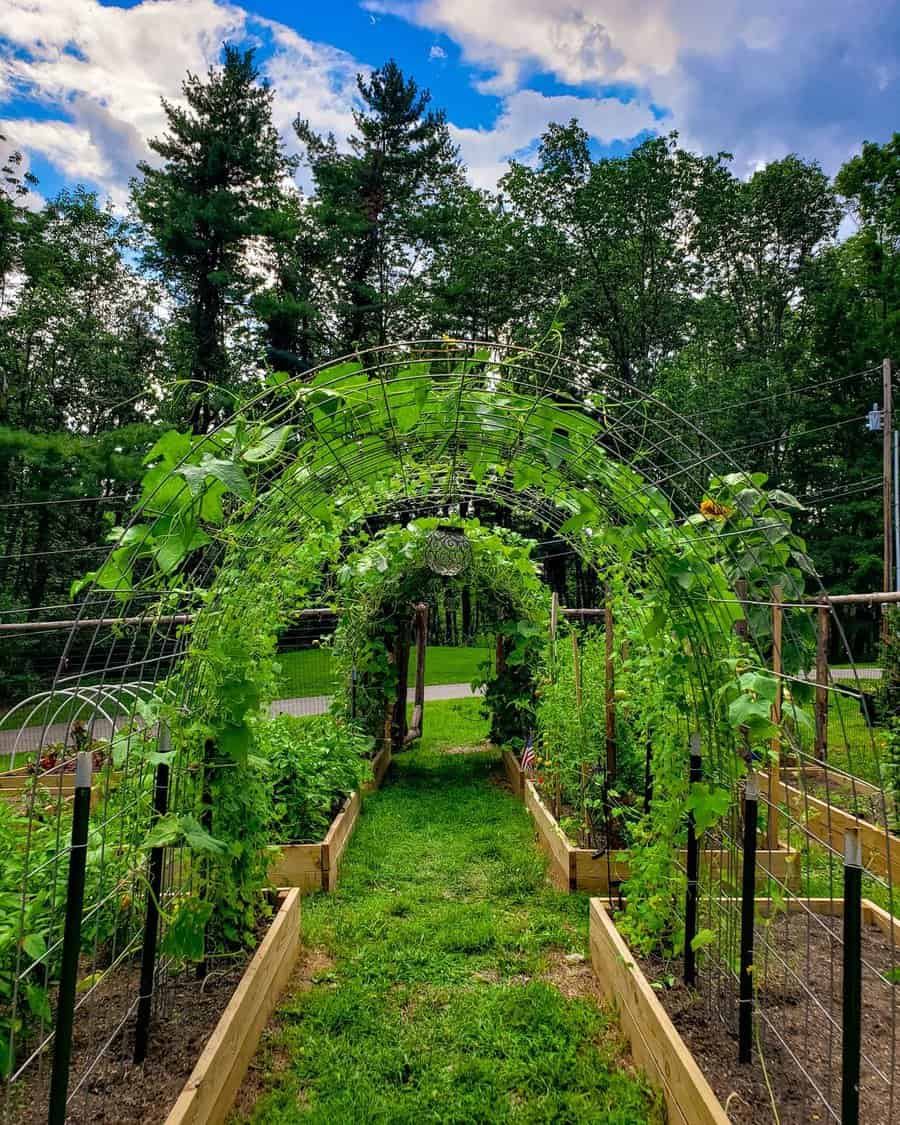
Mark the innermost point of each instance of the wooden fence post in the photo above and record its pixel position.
(418, 716)
(774, 770)
(610, 699)
(821, 748)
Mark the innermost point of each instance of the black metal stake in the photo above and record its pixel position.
(693, 872)
(151, 921)
(71, 950)
(852, 992)
(748, 909)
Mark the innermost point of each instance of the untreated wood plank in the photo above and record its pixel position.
(581, 869)
(208, 1094)
(515, 775)
(551, 838)
(336, 840)
(380, 765)
(828, 824)
(655, 1044)
(298, 865)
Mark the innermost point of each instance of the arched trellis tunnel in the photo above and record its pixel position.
(238, 529)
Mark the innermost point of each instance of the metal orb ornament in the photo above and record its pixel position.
(448, 551)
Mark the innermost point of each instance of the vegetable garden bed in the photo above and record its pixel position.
(655, 1044)
(316, 867)
(804, 930)
(824, 822)
(577, 869)
(691, 1053)
(208, 1032)
(209, 1092)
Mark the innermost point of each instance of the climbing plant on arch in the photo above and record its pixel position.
(240, 527)
(377, 586)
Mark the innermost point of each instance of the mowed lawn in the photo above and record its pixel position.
(445, 981)
(309, 671)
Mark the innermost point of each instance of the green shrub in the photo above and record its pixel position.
(316, 762)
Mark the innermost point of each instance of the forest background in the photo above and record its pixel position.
(743, 304)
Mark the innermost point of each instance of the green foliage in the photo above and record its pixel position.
(217, 188)
(381, 581)
(315, 763)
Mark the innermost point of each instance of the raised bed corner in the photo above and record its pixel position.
(577, 869)
(208, 1094)
(316, 867)
(515, 775)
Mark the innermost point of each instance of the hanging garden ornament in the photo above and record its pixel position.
(448, 551)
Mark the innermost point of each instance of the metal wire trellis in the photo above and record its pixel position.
(97, 673)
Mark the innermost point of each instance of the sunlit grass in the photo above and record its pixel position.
(431, 1002)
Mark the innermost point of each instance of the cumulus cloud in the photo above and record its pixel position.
(524, 118)
(105, 69)
(760, 78)
(437, 53)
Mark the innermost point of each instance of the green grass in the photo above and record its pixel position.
(430, 1001)
(308, 671)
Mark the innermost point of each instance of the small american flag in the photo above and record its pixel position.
(528, 758)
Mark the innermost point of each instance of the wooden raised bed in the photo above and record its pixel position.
(17, 785)
(576, 869)
(655, 1044)
(828, 824)
(515, 775)
(316, 867)
(208, 1094)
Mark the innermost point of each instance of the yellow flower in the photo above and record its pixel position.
(712, 510)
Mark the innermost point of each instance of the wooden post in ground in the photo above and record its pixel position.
(418, 716)
(822, 622)
(774, 770)
(610, 697)
(887, 480)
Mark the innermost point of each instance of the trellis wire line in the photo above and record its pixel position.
(451, 483)
(817, 386)
(65, 500)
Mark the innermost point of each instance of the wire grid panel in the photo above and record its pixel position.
(666, 457)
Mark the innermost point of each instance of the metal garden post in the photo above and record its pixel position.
(693, 871)
(71, 949)
(748, 907)
(852, 983)
(151, 922)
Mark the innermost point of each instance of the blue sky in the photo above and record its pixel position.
(81, 80)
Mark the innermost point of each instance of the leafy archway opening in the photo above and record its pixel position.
(239, 526)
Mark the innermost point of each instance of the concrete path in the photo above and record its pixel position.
(29, 739)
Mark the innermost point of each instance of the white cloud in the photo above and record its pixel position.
(437, 52)
(758, 77)
(525, 117)
(105, 69)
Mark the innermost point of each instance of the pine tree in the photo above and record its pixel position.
(375, 205)
(219, 187)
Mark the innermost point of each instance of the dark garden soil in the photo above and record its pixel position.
(799, 979)
(116, 1091)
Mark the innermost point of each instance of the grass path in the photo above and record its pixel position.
(444, 981)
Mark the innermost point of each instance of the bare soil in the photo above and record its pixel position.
(116, 1091)
(799, 980)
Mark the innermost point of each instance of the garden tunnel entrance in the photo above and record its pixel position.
(331, 483)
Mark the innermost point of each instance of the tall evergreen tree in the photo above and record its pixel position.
(376, 205)
(218, 188)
